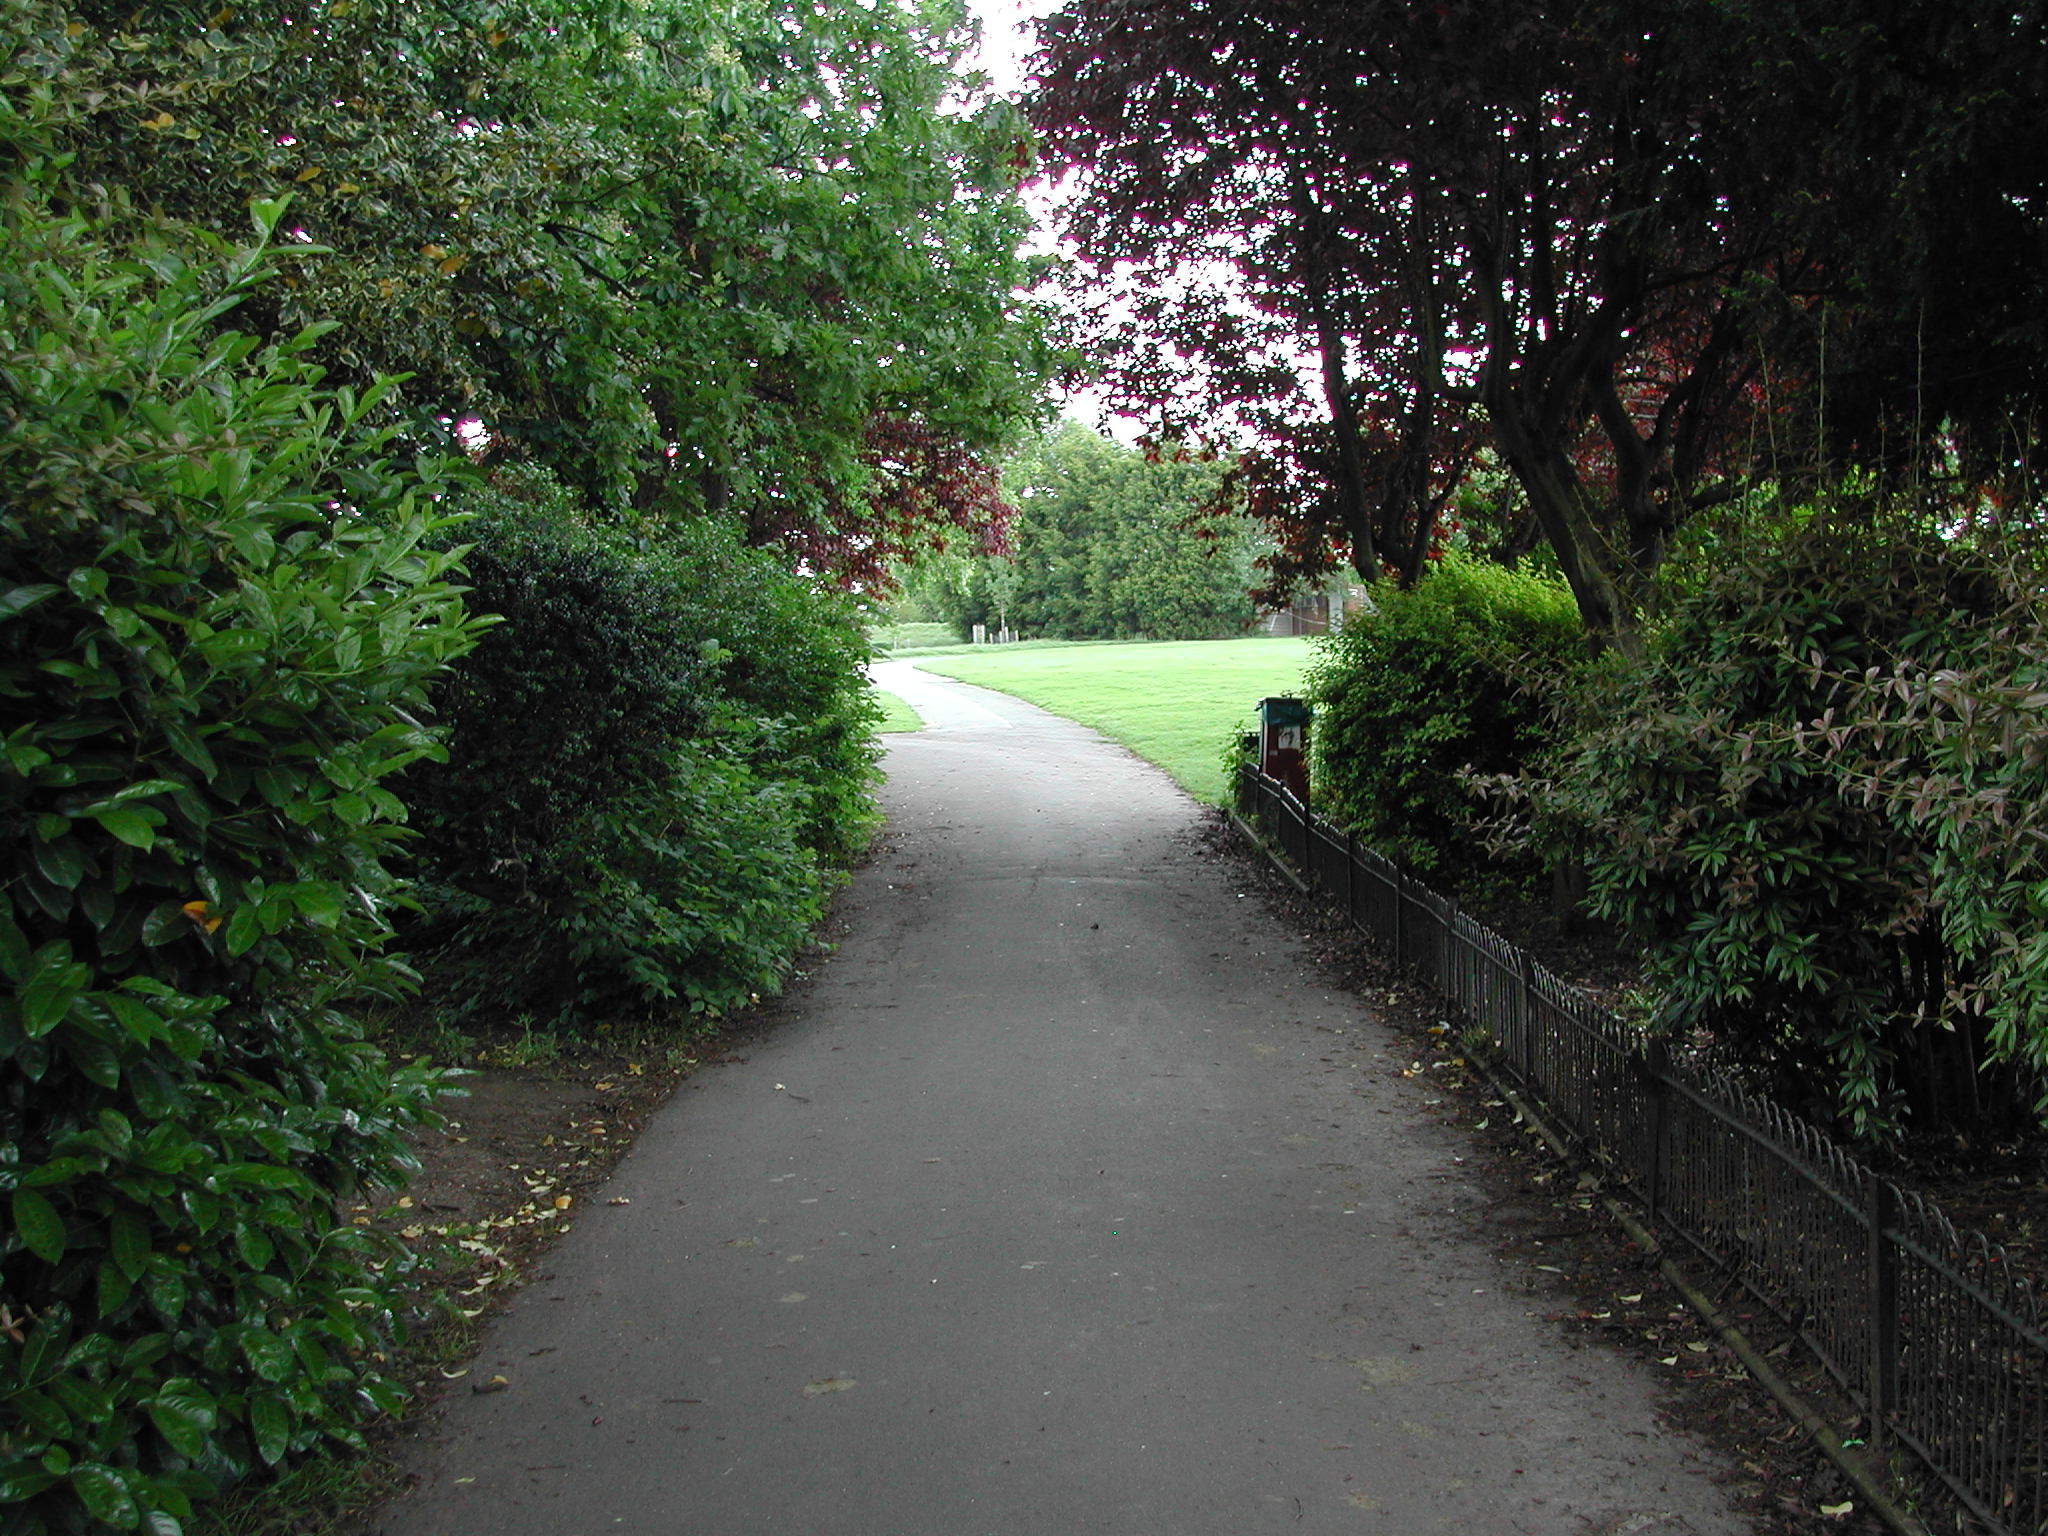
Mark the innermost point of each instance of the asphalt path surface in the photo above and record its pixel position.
(1062, 1199)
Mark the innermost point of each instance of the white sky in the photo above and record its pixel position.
(1006, 38)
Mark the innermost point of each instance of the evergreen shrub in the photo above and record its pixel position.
(1426, 686)
(1788, 803)
(218, 624)
(655, 760)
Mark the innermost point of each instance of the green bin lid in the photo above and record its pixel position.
(1284, 712)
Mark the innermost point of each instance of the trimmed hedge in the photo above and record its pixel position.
(1429, 685)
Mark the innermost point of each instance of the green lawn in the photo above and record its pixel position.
(1174, 703)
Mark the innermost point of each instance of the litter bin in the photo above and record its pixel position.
(1283, 743)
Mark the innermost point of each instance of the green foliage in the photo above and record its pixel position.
(659, 247)
(1427, 686)
(218, 622)
(652, 762)
(1765, 803)
(1107, 545)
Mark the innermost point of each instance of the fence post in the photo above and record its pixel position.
(1881, 1211)
(1657, 1062)
(1351, 876)
(1525, 1010)
(1400, 918)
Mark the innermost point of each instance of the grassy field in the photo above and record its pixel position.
(1174, 703)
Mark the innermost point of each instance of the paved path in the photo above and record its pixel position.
(1061, 1203)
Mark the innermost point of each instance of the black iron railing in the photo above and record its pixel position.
(1928, 1329)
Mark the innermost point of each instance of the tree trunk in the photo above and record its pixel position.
(1353, 506)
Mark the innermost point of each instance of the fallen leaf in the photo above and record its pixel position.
(563, 1202)
(1837, 1511)
(495, 1384)
(828, 1384)
(618, 1200)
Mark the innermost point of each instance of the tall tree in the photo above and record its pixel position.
(753, 259)
(1379, 233)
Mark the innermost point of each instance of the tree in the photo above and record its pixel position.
(1581, 233)
(1109, 543)
(659, 249)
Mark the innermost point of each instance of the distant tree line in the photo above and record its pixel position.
(1107, 542)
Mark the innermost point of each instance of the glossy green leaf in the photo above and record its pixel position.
(39, 1226)
(105, 1495)
(129, 1243)
(134, 825)
(269, 1426)
(183, 1415)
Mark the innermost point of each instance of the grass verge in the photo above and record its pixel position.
(896, 715)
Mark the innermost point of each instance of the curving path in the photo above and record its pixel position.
(1060, 1202)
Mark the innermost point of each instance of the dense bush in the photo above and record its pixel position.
(1783, 802)
(652, 762)
(1428, 685)
(218, 624)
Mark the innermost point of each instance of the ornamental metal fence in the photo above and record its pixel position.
(1929, 1330)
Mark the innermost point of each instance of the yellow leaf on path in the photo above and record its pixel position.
(563, 1202)
(828, 1384)
(1836, 1511)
